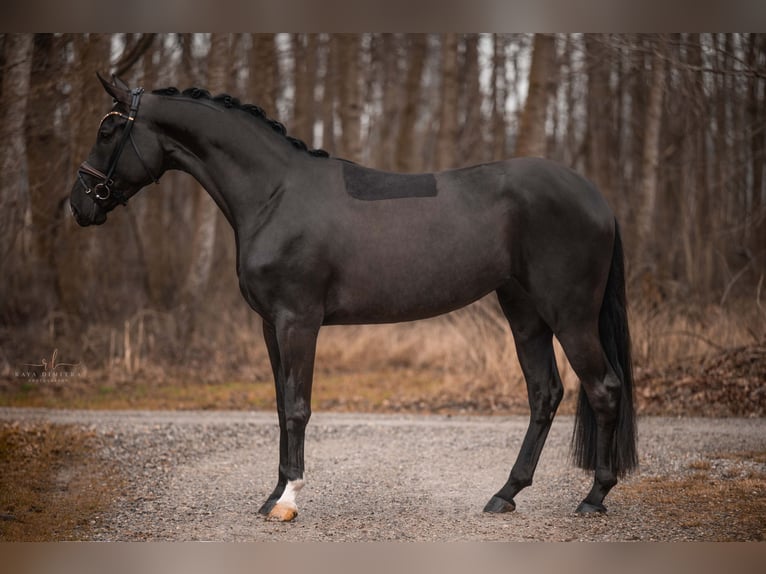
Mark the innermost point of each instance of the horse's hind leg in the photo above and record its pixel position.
(602, 388)
(534, 347)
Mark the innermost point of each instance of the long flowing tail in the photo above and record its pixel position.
(615, 340)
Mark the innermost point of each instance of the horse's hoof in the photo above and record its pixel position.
(282, 513)
(266, 507)
(588, 508)
(497, 505)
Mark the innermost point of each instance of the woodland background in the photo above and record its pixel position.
(671, 127)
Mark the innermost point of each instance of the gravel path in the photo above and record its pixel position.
(203, 475)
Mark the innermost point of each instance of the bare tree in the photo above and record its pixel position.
(447, 140)
(263, 72)
(77, 253)
(417, 47)
(157, 262)
(571, 144)
(651, 152)
(13, 151)
(498, 89)
(329, 78)
(46, 162)
(206, 216)
(133, 53)
(391, 97)
(531, 140)
(350, 108)
(599, 100)
(304, 82)
(756, 108)
(472, 126)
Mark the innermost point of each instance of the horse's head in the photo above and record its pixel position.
(127, 156)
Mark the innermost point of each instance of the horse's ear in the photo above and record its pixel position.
(120, 83)
(117, 92)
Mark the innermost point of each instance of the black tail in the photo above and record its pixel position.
(615, 340)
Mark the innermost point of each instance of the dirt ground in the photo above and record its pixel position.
(200, 475)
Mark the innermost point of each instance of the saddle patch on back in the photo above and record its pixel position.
(373, 185)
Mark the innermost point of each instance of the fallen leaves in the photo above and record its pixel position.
(730, 383)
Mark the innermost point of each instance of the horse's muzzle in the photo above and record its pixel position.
(92, 216)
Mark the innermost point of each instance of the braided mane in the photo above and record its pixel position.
(228, 101)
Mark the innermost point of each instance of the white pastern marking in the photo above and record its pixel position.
(291, 491)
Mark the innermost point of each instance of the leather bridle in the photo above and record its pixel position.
(103, 189)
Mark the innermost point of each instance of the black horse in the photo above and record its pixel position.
(323, 241)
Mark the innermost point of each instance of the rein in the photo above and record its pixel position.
(103, 189)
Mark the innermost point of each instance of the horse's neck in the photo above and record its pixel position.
(237, 160)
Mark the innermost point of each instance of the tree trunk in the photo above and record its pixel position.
(447, 141)
(2, 58)
(702, 218)
(263, 72)
(757, 126)
(391, 99)
(79, 271)
(599, 99)
(329, 80)
(46, 163)
(572, 148)
(650, 156)
(159, 279)
(135, 48)
(498, 98)
(304, 81)
(13, 176)
(350, 110)
(406, 158)
(206, 212)
(638, 104)
(13, 150)
(531, 140)
(470, 142)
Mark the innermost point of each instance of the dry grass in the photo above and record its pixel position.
(462, 362)
(700, 465)
(674, 333)
(700, 360)
(755, 456)
(52, 484)
(711, 504)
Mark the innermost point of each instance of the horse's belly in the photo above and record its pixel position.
(414, 284)
(413, 258)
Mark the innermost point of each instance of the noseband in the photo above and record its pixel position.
(103, 189)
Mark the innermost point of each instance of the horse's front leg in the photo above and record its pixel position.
(270, 336)
(296, 345)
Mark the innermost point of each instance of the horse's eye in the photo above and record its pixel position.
(105, 134)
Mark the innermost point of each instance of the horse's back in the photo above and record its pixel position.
(419, 255)
(533, 188)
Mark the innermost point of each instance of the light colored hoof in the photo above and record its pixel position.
(282, 513)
